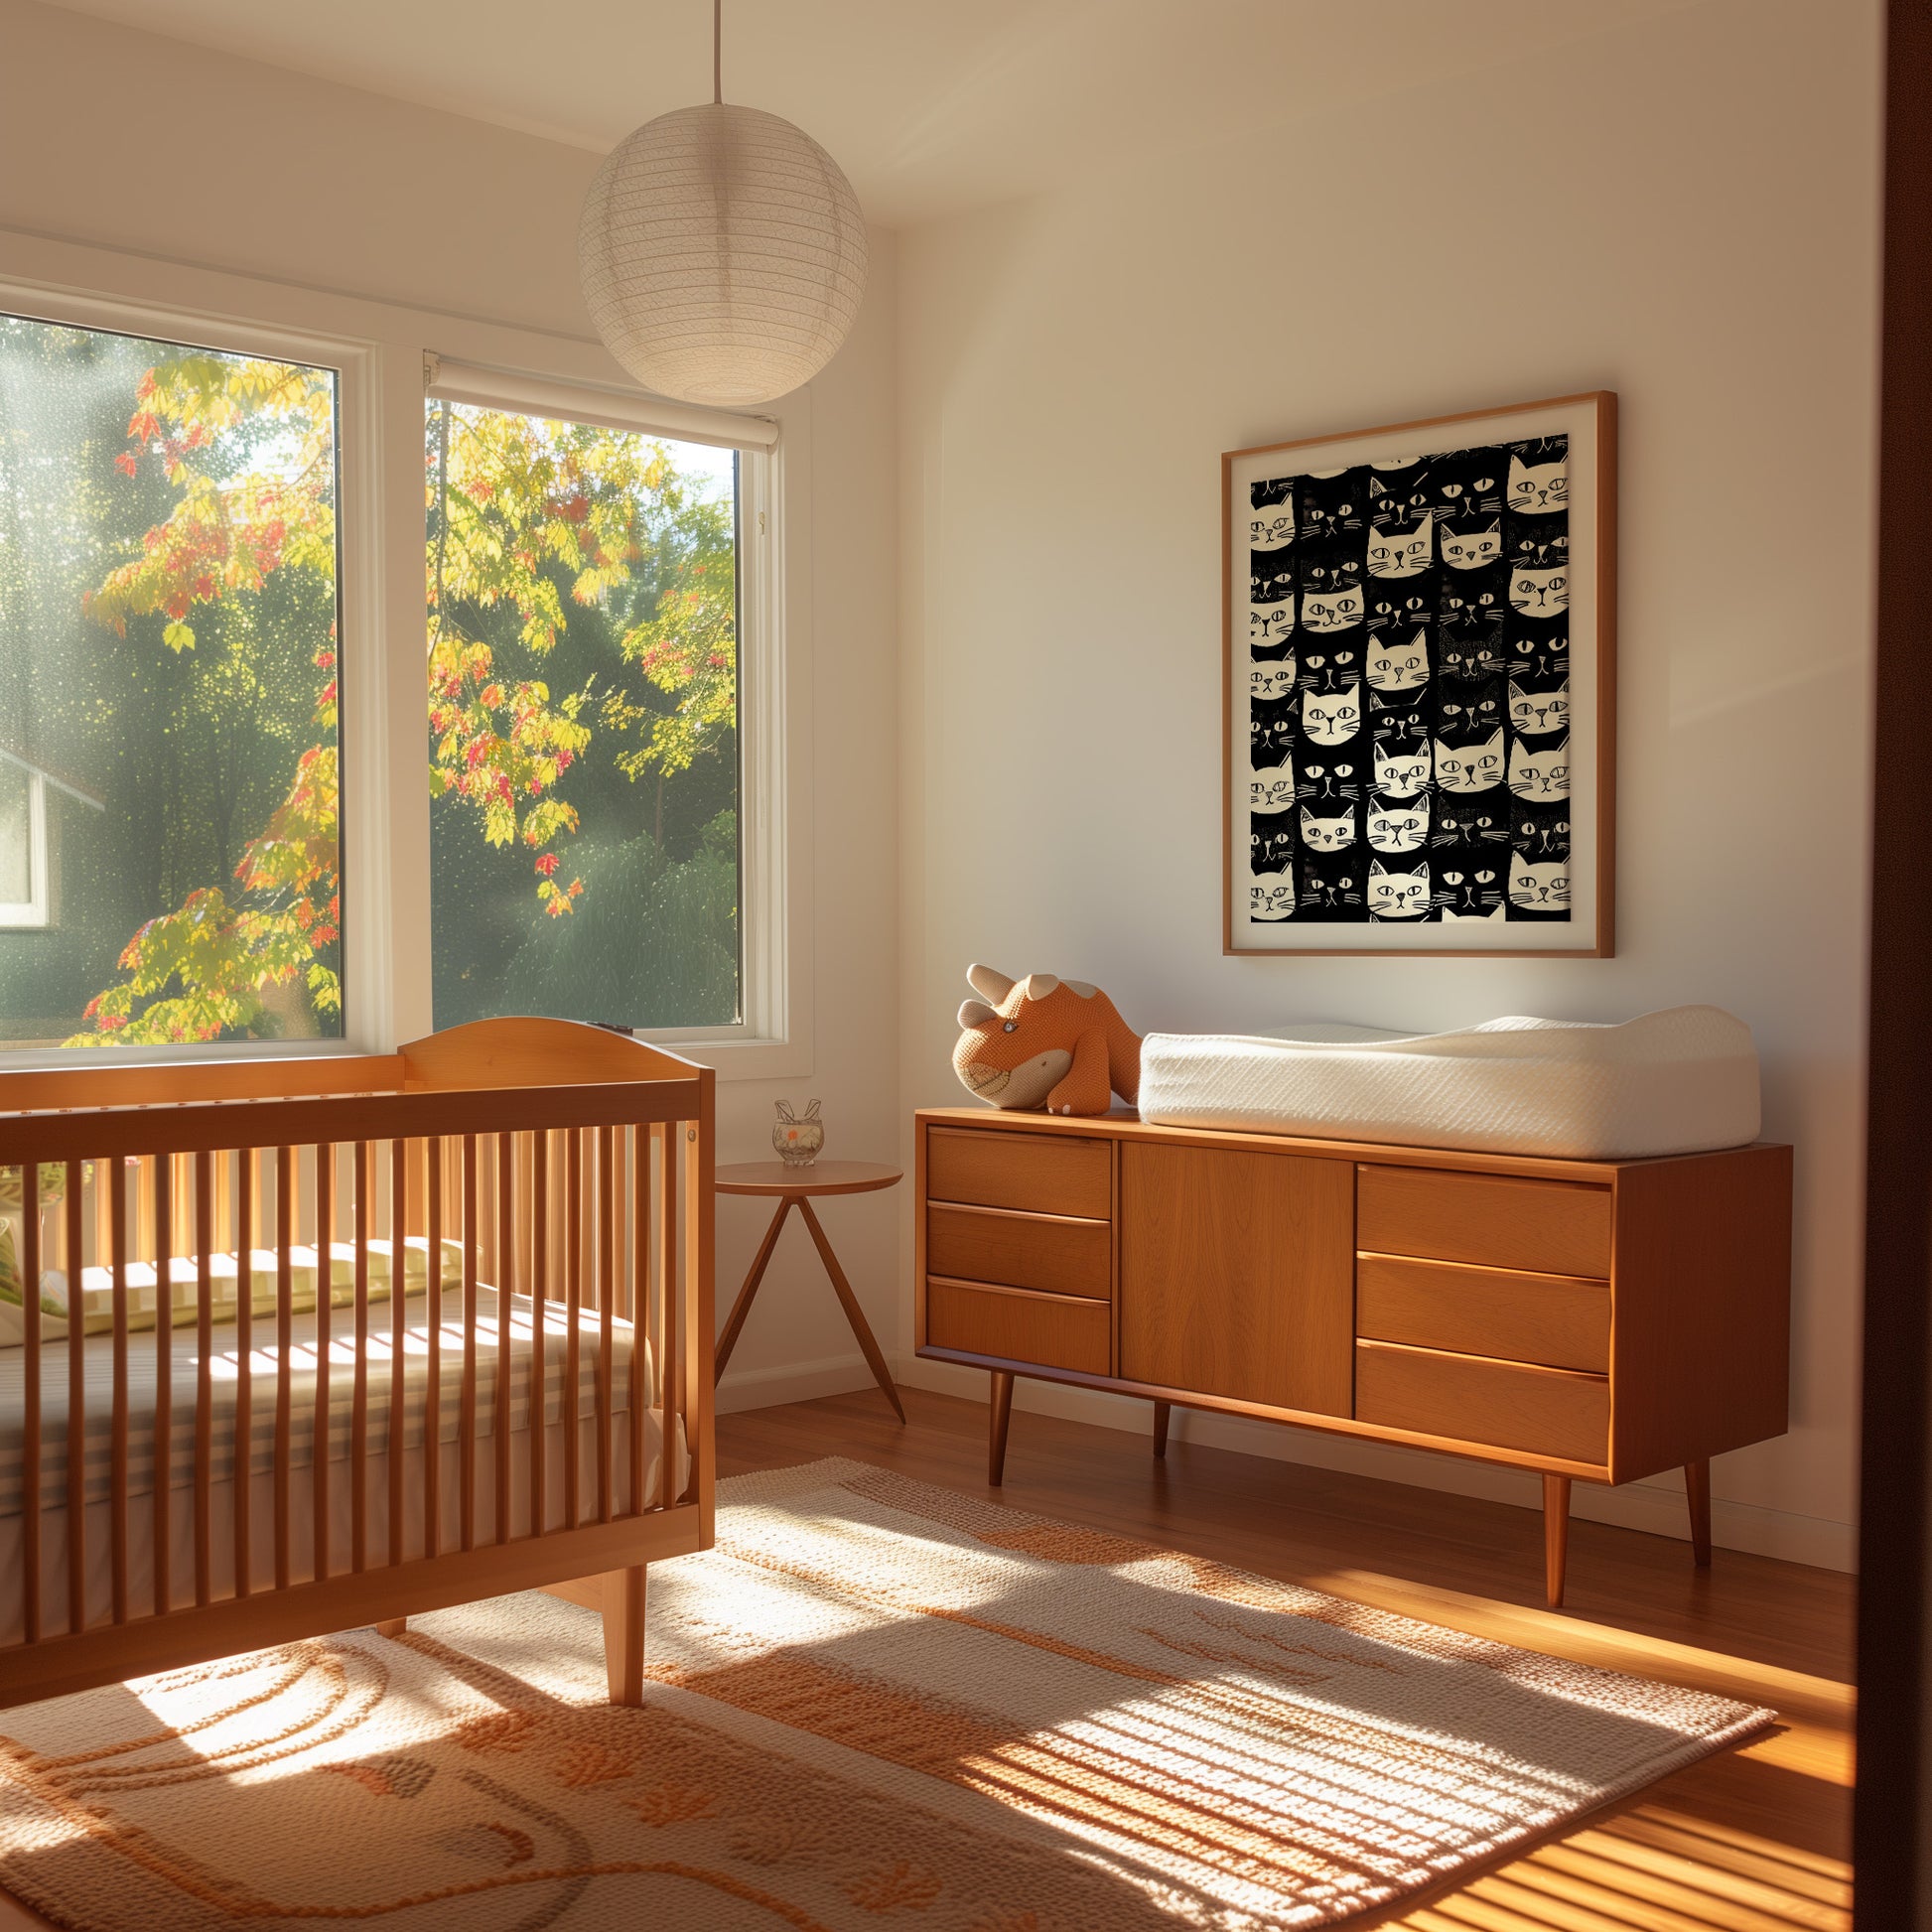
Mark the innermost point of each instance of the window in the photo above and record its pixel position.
(170, 855)
(584, 708)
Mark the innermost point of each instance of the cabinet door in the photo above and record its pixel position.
(1237, 1275)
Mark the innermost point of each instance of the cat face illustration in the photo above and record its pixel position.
(1394, 666)
(1537, 488)
(1331, 719)
(1271, 581)
(1271, 791)
(1468, 609)
(1270, 624)
(1546, 654)
(1398, 828)
(1396, 491)
(1329, 782)
(1400, 775)
(1330, 670)
(1397, 895)
(1540, 885)
(1539, 592)
(1469, 660)
(1390, 611)
(1401, 553)
(1328, 834)
(1396, 723)
(1537, 713)
(1328, 611)
(1270, 734)
(1472, 549)
(1269, 846)
(1328, 885)
(1539, 547)
(1467, 825)
(1271, 526)
(1470, 768)
(1476, 715)
(1540, 840)
(1471, 892)
(1470, 484)
(1540, 774)
(1332, 503)
(1268, 682)
(1271, 899)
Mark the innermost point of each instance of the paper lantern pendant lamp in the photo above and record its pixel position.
(722, 255)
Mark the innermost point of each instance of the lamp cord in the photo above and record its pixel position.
(717, 53)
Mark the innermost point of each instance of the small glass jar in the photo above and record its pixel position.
(798, 1137)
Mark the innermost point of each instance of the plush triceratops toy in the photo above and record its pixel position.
(1043, 1042)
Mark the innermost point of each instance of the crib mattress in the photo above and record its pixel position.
(184, 1372)
(1681, 1081)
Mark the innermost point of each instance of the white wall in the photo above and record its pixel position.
(1683, 210)
(139, 143)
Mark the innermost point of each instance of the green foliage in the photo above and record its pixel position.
(551, 549)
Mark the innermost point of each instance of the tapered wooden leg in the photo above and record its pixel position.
(392, 1626)
(1696, 1487)
(743, 1306)
(1161, 1411)
(1556, 1537)
(623, 1634)
(996, 1447)
(853, 1315)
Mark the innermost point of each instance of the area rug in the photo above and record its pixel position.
(876, 1704)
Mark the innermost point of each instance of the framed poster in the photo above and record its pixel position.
(1419, 669)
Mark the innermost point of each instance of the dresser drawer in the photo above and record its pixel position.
(1547, 1227)
(1506, 1404)
(1041, 1173)
(1553, 1320)
(1040, 1251)
(1052, 1330)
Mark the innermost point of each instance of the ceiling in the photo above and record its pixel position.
(930, 105)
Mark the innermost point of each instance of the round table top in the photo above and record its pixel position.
(821, 1177)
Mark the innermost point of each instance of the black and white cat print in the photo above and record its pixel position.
(1409, 690)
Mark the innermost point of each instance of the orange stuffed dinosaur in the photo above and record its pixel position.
(1045, 1042)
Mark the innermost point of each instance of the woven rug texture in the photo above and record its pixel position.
(876, 1704)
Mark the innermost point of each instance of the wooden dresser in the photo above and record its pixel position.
(1597, 1322)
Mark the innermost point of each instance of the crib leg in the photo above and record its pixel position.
(392, 1626)
(623, 1634)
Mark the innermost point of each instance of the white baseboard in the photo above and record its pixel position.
(767, 1388)
(1656, 1505)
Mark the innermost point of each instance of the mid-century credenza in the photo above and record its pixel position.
(1596, 1322)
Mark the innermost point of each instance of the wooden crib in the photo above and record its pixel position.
(318, 1314)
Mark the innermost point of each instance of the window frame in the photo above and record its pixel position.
(34, 913)
(381, 353)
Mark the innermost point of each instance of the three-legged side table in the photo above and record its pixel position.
(794, 1187)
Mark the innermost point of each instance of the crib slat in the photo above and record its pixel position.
(504, 1277)
(204, 1378)
(663, 1263)
(398, 1333)
(433, 1413)
(161, 1198)
(359, 1424)
(539, 1323)
(30, 1474)
(607, 1295)
(248, 1208)
(324, 1335)
(283, 1348)
(77, 1400)
(573, 1306)
(640, 1396)
(117, 1450)
(467, 1427)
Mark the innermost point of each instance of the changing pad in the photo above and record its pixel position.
(1679, 1082)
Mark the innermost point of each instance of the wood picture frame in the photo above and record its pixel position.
(1465, 605)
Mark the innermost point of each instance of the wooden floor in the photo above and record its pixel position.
(1753, 1842)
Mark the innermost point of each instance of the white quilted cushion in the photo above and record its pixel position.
(1673, 1082)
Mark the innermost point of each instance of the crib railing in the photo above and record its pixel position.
(555, 1182)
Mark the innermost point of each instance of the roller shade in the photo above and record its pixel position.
(536, 395)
